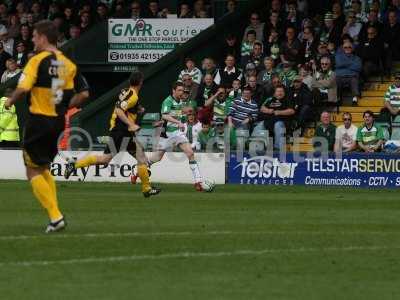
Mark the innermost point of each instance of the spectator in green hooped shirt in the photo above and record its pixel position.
(325, 130)
(220, 104)
(370, 138)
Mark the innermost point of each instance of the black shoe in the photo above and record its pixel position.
(70, 168)
(152, 192)
(56, 226)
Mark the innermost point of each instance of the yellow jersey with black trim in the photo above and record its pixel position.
(128, 101)
(49, 76)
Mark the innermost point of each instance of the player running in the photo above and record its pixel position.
(123, 126)
(174, 135)
(49, 76)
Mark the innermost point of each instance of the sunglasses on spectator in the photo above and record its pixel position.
(347, 47)
(346, 119)
(324, 64)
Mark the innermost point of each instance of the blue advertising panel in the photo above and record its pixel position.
(356, 170)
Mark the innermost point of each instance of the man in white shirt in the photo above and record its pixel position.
(346, 135)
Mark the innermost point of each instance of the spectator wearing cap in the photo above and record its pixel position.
(325, 133)
(290, 49)
(256, 57)
(265, 75)
(371, 52)
(192, 70)
(230, 46)
(301, 96)
(230, 72)
(392, 100)
(255, 25)
(8, 43)
(323, 83)
(248, 43)
(250, 70)
(21, 54)
(322, 51)
(348, 69)
(11, 70)
(370, 138)
(244, 111)
(331, 31)
(346, 135)
(277, 112)
(206, 89)
(287, 74)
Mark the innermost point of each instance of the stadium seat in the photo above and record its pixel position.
(146, 137)
(149, 119)
(258, 142)
(242, 136)
(396, 120)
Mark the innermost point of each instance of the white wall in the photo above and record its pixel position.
(174, 167)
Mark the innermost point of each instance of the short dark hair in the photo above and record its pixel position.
(247, 88)
(368, 112)
(251, 32)
(136, 78)
(48, 29)
(176, 84)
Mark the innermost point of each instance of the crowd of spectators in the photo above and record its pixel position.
(289, 65)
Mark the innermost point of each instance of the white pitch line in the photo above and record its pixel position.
(111, 259)
(189, 233)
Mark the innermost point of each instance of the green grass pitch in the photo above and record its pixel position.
(240, 242)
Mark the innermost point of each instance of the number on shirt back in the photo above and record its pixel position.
(56, 69)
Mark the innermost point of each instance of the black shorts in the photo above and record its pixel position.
(123, 141)
(41, 134)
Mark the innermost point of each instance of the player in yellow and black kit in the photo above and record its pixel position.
(49, 77)
(123, 125)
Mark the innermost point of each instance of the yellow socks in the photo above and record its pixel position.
(50, 181)
(144, 177)
(87, 161)
(45, 193)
